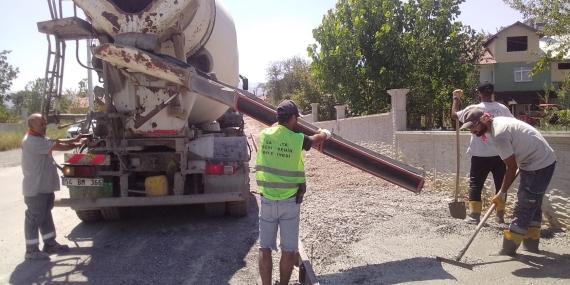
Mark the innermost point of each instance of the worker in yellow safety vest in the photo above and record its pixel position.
(280, 176)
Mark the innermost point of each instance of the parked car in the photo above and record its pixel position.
(74, 129)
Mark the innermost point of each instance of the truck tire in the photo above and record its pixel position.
(89, 215)
(113, 213)
(215, 209)
(239, 208)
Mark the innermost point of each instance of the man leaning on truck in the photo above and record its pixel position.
(40, 182)
(281, 180)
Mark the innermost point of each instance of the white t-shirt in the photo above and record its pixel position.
(512, 136)
(478, 147)
(40, 172)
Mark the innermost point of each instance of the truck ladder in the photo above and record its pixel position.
(58, 30)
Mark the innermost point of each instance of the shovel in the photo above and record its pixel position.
(457, 260)
(457, 209)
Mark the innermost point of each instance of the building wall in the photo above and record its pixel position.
(556, 74)
(486, 73)
(5, 127)
(500, 45)
(505, 78)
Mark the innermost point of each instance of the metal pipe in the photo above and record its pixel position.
(89, 77)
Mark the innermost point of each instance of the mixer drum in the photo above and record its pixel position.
(210, 44)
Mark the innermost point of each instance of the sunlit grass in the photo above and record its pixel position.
(13, 139)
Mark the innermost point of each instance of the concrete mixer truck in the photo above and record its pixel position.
(169, 127)
(155, 139)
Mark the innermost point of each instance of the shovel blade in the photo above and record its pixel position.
(456, 263)
(458, 210)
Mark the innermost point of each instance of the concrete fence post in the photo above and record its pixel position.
(24, 114)
(315, 111)
(340, 111)
(340, 114)
(399, 114)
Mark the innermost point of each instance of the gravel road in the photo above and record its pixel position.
(10, 158)
(357, 229)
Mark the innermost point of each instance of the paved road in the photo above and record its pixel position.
(161, 245)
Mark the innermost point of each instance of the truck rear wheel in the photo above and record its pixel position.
(113, 213)
(215, 209)
(239, 208)
(89, 215)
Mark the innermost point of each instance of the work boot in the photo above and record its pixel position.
(531, 240)
(511, 242)
(475, 208)
(55, 247)
(36, 255)
(500, 217)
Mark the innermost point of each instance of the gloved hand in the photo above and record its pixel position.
(326, 132)
(457, 93)
(500, 200)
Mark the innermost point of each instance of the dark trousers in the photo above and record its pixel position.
(528, 207)
(480, 168)
(39, 218)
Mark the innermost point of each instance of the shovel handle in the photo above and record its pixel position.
(479, 226)
(462, 252)
(458, 158)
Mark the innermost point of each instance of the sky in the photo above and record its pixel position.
(267, 30)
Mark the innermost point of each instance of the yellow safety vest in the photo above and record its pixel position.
(279, 163)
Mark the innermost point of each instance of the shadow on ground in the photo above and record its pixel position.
(544, 265)
(155, 245)
(394, 272)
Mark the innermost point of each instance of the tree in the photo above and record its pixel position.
(359, 54)
(443, 55)
(367, 47)
(73, 100)
(554, 15)
(261, 86)
(30, 97)
(82, 88)
(7, 75)
(293, 79)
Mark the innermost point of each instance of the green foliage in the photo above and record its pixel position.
(564, 117)
(71, 99)
(7, 75)
(293, 79)
(8, 117)
(13, 140)
(359, 53)
(367, 47)
(30, 97)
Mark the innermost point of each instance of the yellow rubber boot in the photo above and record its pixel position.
(511, 242)
(475, 208)
(531, 240)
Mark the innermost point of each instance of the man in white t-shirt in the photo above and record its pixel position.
(484, 157)
(40, 182)
(520, 146)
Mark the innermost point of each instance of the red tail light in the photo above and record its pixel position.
(215, 169)
(79, 171)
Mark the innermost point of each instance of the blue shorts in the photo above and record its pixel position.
(282, 214)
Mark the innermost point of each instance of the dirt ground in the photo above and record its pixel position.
(356, 229)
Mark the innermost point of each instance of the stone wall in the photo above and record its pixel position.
(5, 127)
(435, 153)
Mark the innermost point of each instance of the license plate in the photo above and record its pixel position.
(97, 182)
